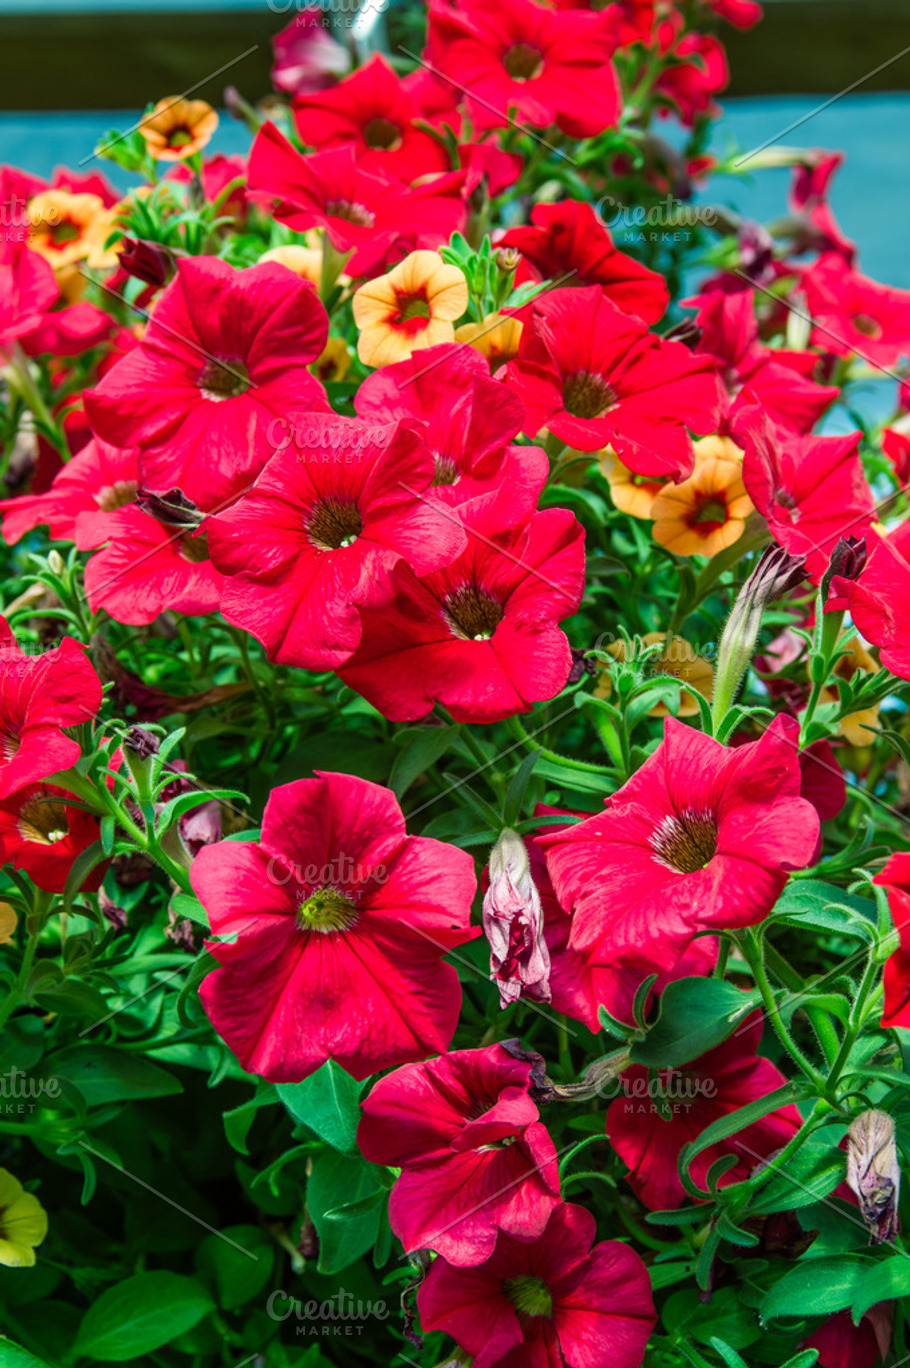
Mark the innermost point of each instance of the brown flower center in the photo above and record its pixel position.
(114, 496)
(333, 523)
(686, 842)
(352, 213)
(223, 379)
(42, 821)
(326, 909)
(382, 134)
(867, 325)
(472, 614)
(587, 396)
(447, 471)
(523, 62)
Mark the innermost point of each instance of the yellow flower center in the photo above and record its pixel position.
(529, 1295)
(326, 909)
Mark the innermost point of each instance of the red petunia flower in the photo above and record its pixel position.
(99, 479)
(341, 921)
(475, 1158)
(649, 1128)
(856, 315)
(879, 600)
(841, 1344)
(569, 237)
(480, 636)
(306, 55)
(147, 568)
(700, 838)
(39, 696)
(518, 56)
(545, 1303)
(896, 878)
(695, 72)
(467, 419)
(42, 834)
(28, 288)
(596, 377)
(812, 490)
(748, 371)
(378, 218)
(224, 354)
(372, 111)
(817, 229)
(318, 537)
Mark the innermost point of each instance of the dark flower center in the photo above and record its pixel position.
(64, 232)
(587, 396)
(42, 821)
(413, 312)
(447, 471)
(180, 137)
(333, 523)
(223, 379)
(10, 742)
(710, 514)
(326, 909)
(382, 134)
(529, 1295)
(351, 213)
(523, 62)
(472, 614)
(116, 495)
(868, 326)
(686, 842)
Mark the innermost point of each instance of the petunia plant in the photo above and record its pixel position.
(454, 741)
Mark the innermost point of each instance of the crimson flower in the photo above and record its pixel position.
(700, 838)
(841, 1344)
(467, 419)
(319, 535)
(147, 568)
(812, 490)
(546, 1303)
(373, 112)
(518, 56)
(696, 70)
(648, 1128)
(378, 218)
(224, 354)
(896, 878)
(42, 834)
(817, 228)
(474, 1157)
(596, 377)
(569, 239)
(854, 314)
(341, 920)
(481, 635)
(98, 479)
(40, 695)
(28, 288)
(306, 55)
(879, 600)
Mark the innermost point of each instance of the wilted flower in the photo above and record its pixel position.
(23, 1223)
(874, 1174)
(513, 924)
(848, 560)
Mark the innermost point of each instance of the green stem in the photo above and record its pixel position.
(752, 949)
(519, 732)
(35, 922)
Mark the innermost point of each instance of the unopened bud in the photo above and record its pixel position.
(140, 742)
(507, 259)
(775, 573)
(150, 262)
(513, 924)
(172, 509)
(55, 562)
(848, 560)
(874, 1174)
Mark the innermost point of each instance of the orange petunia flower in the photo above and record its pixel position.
(496, 338)
(177, 127)
(680, 660)
(304, 260)
(707, 512)
(334, 363)
(65, 228)
(631, 493)
(412, 307)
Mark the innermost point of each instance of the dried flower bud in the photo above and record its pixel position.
(150, 262)
(513, 924)
(874, 1174)
(847, 562)
(111, 911)
(140, 742)
(171, 509)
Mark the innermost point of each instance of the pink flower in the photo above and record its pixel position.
(856, 315)
(147, 568)
(40, 696)
(879, 600)
(513, 924)
(319, 536)
(28, 288)
(895, 877)
(475, 1159)
(225, 354)
(340, 922)
(307, 57)
(547, 1303)
(98, 480)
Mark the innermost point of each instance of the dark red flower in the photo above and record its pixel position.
(41, 833)
(879, 600)
(147, 568)
(696, 70)
(480, 636)
(519, 56)
(40, 695)
(841, 1344)
(812, 490)
(318, 537)
(547, 1303)
(817, 229)
(569, 238)
(474, 1157)
(224, 354)
(648, 1126)
(896, 878)
(98, 479)
(702, 837)
(340, 922)
(823, 781)
(596, 377)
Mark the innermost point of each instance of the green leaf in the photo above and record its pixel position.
(104, 1074)
(327, 1102)
(188, 905)
(234, 1277)
(887, 1280)
(730, 1125)
(515, 794)
(696, 1014)
(139, 1315)
(420, 753)
(812, 904)
(13, 1356)
(72, 997)
(726, 1317)
(816, 1287)
(810, 1175)
(340, 1180)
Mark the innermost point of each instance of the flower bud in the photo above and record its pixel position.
(775, 573)
(150, 262)
(513, 924)
(847, 562)
(507, 259)
(874, 1174)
